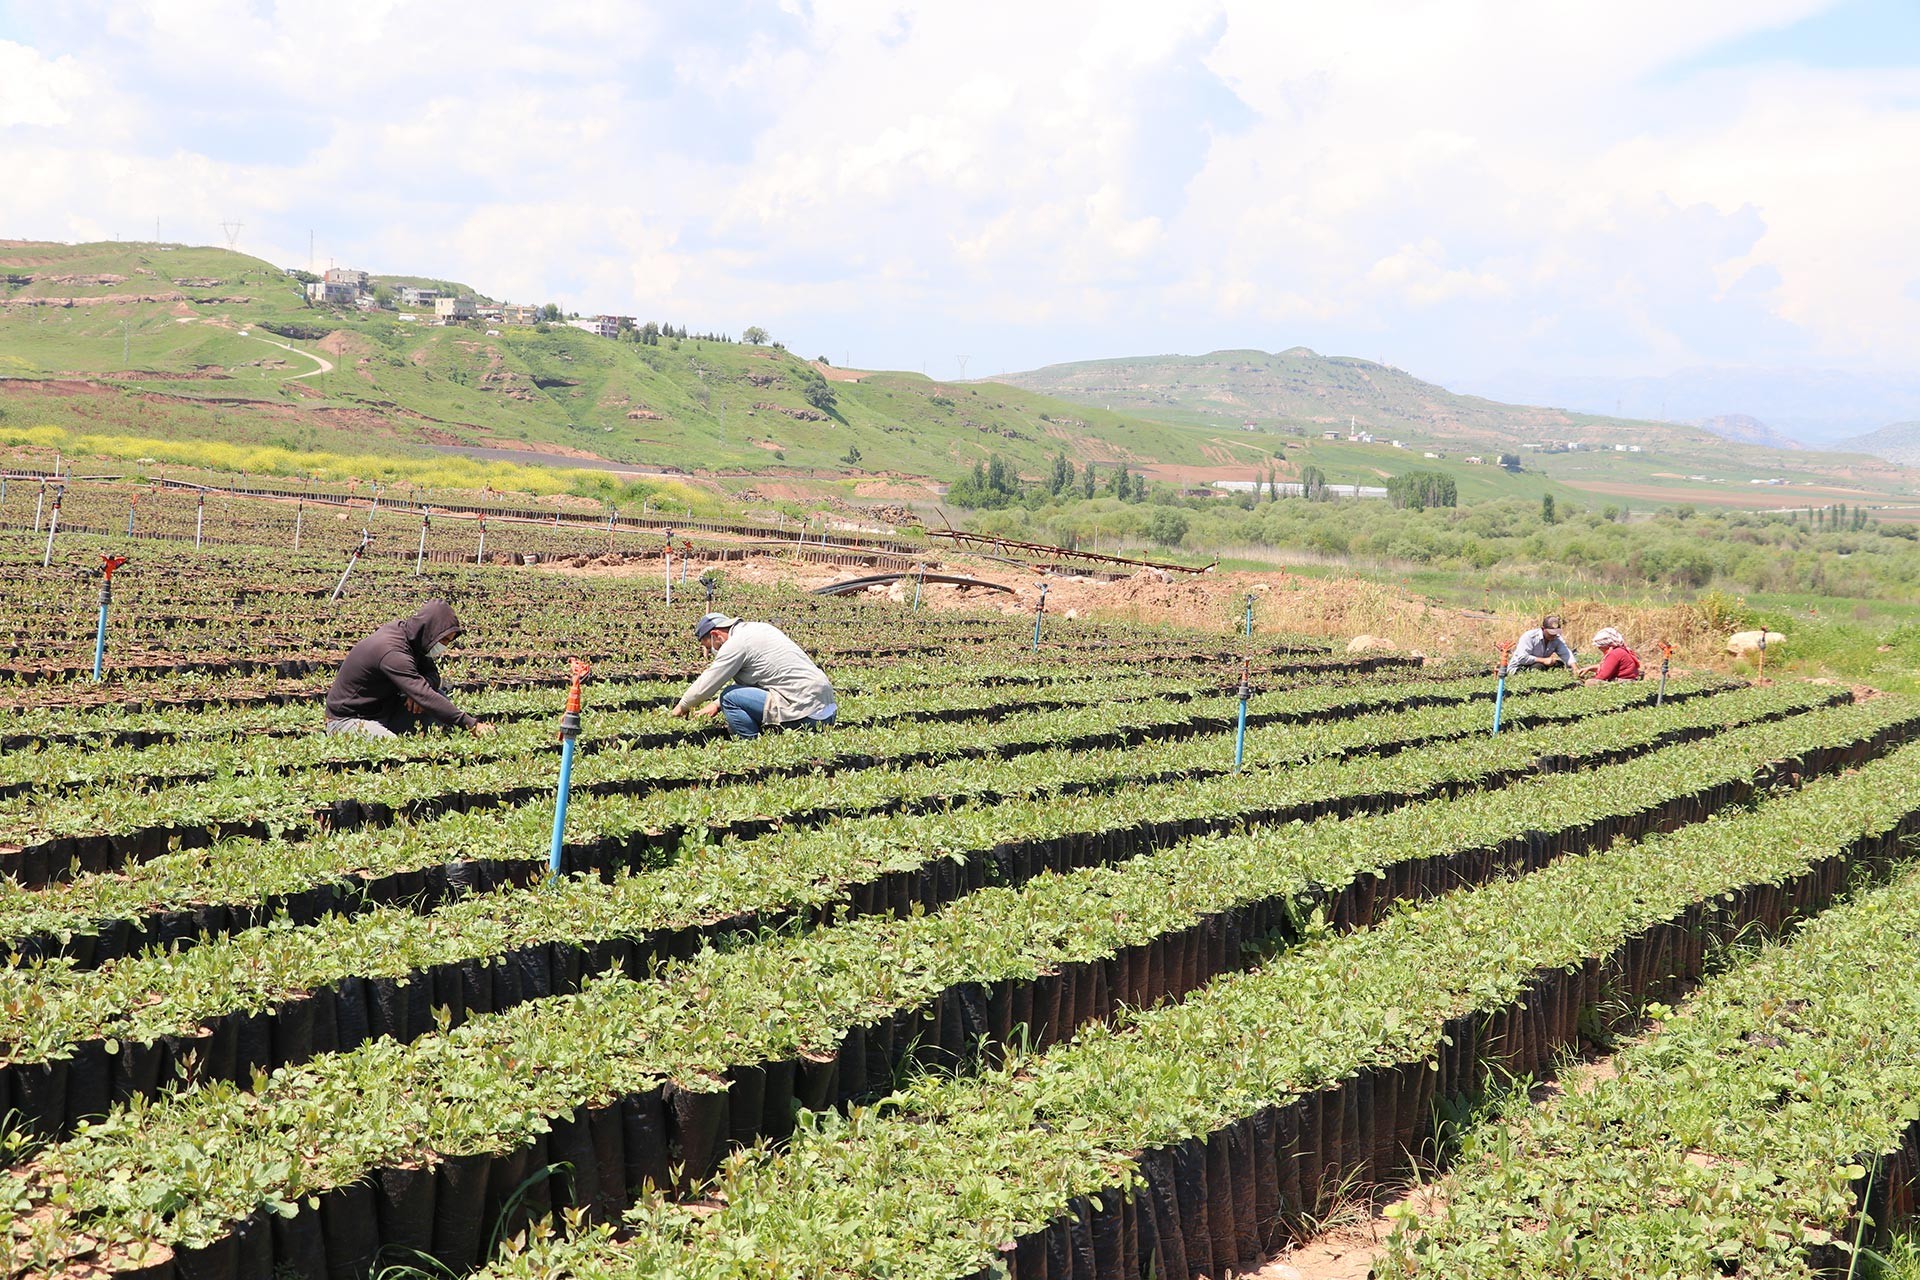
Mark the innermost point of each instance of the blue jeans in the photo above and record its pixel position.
(745, 711)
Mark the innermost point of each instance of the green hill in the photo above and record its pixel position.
(1896, 442)
(1301, 388)
(148, 340)
(173, 340)
(1305, 395)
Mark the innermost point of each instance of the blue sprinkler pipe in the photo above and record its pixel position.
(1500, 690)
(918, 582)
(107, 565)
(569, 730)
(1666, 658)
(1038, 611)
(1240, 733)
(1249, 613)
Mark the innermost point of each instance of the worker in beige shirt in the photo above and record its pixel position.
(774, 684)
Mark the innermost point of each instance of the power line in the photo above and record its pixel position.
(233, 232)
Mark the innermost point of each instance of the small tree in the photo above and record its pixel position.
(1088, 484)
(818, 394)
(852, 456)
(1060, 478)
(754, 335)
(1417, 490)
(550, 312)
(1546, 508)
(1167, 526)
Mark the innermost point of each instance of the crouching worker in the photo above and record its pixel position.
(1617, 662)
(390, 681)
(774, 684)
(1541, 647)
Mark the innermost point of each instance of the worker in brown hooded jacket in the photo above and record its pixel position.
(391, 680)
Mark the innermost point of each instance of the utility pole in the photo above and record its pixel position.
(963, 367)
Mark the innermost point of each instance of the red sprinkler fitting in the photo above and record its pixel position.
(109, 563)
(579, 671)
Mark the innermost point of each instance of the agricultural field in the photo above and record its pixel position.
(1016, 971)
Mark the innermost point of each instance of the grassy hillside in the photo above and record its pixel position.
(1899, 442)
(223, 346)
(181, 342)
(1297, 387)
(1301, 394)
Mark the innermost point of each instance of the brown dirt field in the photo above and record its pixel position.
(342, 343)
(1182, 474)
(1348, 1249)
(1336, 610)
(832, 374)
(541, 447)
(55, 387)
(97, 300)
(889, 489)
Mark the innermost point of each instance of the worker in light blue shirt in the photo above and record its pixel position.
(1541, 647)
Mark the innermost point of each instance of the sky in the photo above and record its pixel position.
(1494, 196)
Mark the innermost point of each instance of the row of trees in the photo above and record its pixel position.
(995, 483)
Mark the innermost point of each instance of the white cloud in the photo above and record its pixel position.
(36, 90)
(1456, 185)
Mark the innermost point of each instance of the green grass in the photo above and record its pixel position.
(1298, 393)
(719, 406)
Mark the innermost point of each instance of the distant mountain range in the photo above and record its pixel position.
(1738, 426)
(1822, 407)
(1899, 442)
(1299, 386)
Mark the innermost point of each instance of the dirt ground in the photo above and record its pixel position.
(1352, 611)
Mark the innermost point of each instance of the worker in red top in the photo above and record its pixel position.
(1617, 662)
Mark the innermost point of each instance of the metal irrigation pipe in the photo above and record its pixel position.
(353, 558)
(107, 565)
(1666, 658)
(569, 731)
(1240, 732)
(53, 526)
(1039, 610)
(1500, 690)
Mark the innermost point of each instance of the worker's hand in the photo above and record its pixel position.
(710, 710)
(482, 729)
(413, 708)
(677, 711)
(1551, 660)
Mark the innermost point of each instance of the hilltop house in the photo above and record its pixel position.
(414, 296)
(603, 326)
(453, 310)
(331, 293)
(520, 313)
(355, 280)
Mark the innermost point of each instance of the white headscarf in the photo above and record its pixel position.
(1608, 635)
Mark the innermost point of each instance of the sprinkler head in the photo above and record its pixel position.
(110, 563)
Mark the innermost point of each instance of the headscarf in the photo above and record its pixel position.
(1609, 635)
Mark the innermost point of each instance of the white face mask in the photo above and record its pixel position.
(438, 650)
